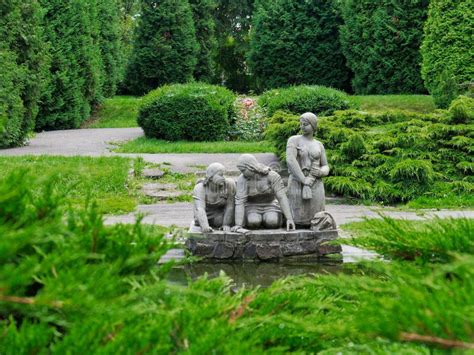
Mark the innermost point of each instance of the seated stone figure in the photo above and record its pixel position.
(260, 198)
(214, 200)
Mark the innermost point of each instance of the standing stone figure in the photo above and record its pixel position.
(214, 200)
(307, 164)
(260, 198)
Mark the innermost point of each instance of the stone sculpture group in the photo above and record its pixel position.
(244, 219)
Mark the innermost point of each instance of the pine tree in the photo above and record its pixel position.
(381, 41)
(447, 49)
(204, 23)
(297, 42)
(165, 49)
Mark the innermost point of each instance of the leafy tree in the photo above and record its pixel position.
(381, 41)
(297, 42)
(447, 49)
(165, 49)
(204, 24)
(23, 65)
(233, 20)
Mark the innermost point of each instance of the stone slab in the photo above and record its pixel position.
(260, 244)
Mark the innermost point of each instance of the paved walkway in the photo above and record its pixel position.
(181, 214)
(97, 141)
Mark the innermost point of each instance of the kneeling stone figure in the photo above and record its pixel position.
(214, 200)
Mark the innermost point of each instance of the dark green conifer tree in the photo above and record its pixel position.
(204, 24)
(76, 70)
(381, 41)
(297, 42)
(448, 49)
(23, 68)
(165, 49)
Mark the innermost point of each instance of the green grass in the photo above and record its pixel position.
(378, 103)
(116, 112)
(79, 178)
(150, 145)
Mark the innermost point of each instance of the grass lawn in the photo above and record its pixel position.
(116, 112)
(150, 145)
(102, 179)
(377, 103)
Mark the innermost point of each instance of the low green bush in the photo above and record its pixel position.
(195, 112)
(320, 100)
(393, 156)
(462, 110)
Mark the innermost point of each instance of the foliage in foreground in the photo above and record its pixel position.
(394, 156)
(71, 283)
(195, 112)
(447, 52)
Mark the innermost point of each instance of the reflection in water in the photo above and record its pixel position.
(265, 273)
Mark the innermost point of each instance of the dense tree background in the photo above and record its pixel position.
(448, 50)
(165, 48)
(381, 41)
(297, 42)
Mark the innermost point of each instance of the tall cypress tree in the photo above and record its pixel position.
(297, 42)
(447, 49)
(204, 24)
(76, 69)
(381, 41)
(23, 68)
(165, 49)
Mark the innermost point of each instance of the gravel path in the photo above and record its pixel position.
(180, 214)
(97, 141)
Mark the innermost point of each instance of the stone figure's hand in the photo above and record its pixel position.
(235, 228)
(290, 225)
(307, 181)
(207, 229)
(226, 228)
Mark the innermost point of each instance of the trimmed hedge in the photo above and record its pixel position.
(300, 99)
(381, 41)
(297, 42)
(447, 50)
(195, 112)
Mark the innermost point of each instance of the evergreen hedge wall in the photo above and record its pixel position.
(23, 59)
(447, 49)
(297, 42)
(381, 41)
(165, 49)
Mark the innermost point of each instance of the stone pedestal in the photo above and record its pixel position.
(261, 244)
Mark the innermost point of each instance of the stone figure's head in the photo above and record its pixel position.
(249, 166)
(215, 174)
(308, 123)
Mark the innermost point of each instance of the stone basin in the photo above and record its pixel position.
(272, 244)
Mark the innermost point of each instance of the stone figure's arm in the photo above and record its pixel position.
(324, 169)
(240, 200)
(199, 207)
(293, 166)
(230, 206)
(280, 193)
